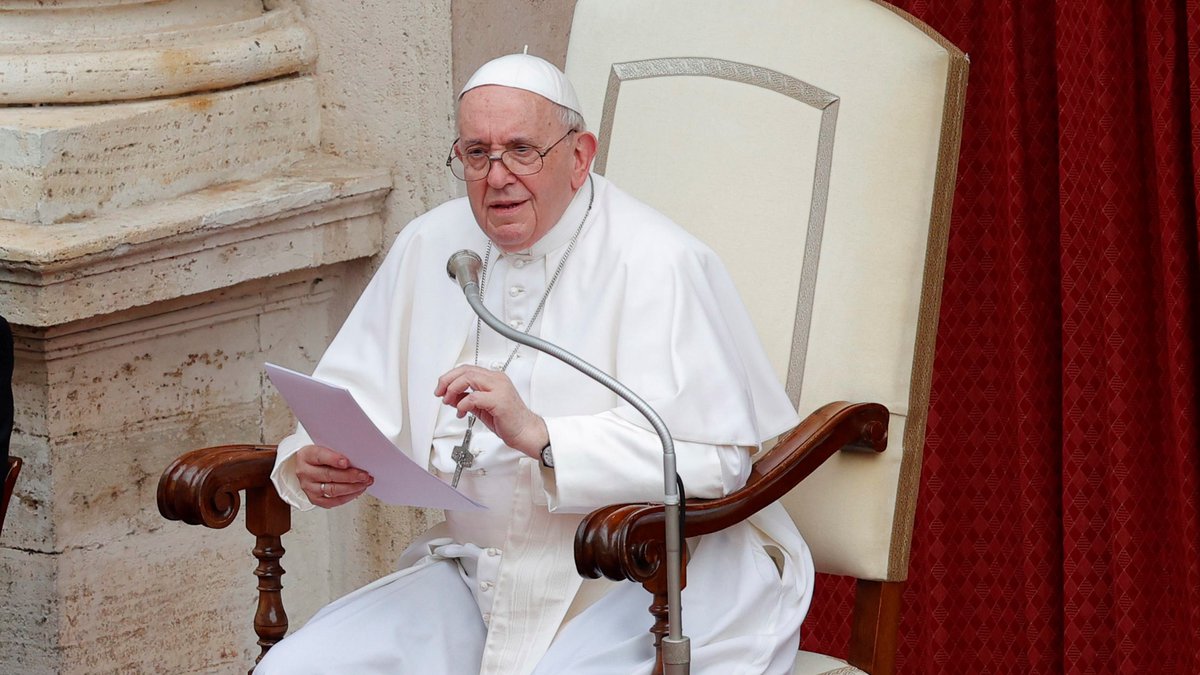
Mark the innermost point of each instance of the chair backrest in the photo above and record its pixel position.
(813, 145)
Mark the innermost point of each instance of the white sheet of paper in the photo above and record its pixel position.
(333, 419)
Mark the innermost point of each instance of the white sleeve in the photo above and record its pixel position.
(353, 359)
(283, 475)
(603, 459)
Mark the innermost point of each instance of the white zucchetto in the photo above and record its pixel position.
(522, 71)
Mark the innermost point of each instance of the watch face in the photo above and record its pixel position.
(547, 458)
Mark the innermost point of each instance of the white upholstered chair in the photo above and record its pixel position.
(813, 144)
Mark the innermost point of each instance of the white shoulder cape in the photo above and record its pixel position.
(640, 298)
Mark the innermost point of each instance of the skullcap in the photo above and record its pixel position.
(522, 71)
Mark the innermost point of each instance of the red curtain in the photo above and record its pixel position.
(1057, 528)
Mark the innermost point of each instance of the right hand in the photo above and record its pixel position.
(319, 468)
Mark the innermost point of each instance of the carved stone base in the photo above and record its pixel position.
(141, 335)
(105, 404)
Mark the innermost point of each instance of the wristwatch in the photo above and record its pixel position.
(547, 457)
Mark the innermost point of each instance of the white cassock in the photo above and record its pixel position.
(497, 592)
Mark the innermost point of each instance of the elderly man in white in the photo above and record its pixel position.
(571, 258)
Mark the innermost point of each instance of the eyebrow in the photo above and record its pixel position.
(519, 140)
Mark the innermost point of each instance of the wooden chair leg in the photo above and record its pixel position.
(658, 609)
(874, 627)
(268, 518)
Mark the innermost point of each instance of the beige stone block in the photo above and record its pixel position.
(484, 30)
(29, 524)
(97, 501)
(88, 488)
(122, 396)
(296, 339)
(30, 613)
(126, 22)
(316, 212)
(119, 588)
(61, 163)
(165, 373)
(384, 72)
(152, 603)
(30, 395)
(55, 54)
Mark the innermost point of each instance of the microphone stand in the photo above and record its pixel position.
(463, 267)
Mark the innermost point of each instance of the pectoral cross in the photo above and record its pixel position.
(462, 457)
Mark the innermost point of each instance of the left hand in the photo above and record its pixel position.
(327, 478)
(493, 399)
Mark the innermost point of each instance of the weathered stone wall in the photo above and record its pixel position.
(484, 30)
(96, 580)
(187, 189)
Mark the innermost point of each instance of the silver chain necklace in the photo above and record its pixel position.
(462, 456)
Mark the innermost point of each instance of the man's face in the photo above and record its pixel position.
(516, 211)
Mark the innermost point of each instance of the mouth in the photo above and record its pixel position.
(506, 207)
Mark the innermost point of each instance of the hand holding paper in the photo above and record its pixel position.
(330, 477)
(333, 419)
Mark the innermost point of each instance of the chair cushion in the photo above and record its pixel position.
(812, 663)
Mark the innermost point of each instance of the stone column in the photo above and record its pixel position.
(168, 221)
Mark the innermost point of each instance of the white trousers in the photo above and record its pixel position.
(425, 620)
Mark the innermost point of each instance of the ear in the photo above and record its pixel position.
(585, 152)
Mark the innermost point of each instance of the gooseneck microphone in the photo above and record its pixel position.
(463, 267)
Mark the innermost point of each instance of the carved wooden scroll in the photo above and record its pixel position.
(201, 488)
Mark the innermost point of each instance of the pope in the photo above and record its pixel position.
(571, 258)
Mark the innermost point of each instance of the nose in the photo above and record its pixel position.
(498, 174)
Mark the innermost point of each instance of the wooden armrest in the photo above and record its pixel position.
(625, 541)
(201, 488)
(10, 482)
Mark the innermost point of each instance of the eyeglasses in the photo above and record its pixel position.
(521, 160)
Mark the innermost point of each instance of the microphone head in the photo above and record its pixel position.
(464, 267)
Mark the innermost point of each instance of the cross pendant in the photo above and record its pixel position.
(462, 457)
